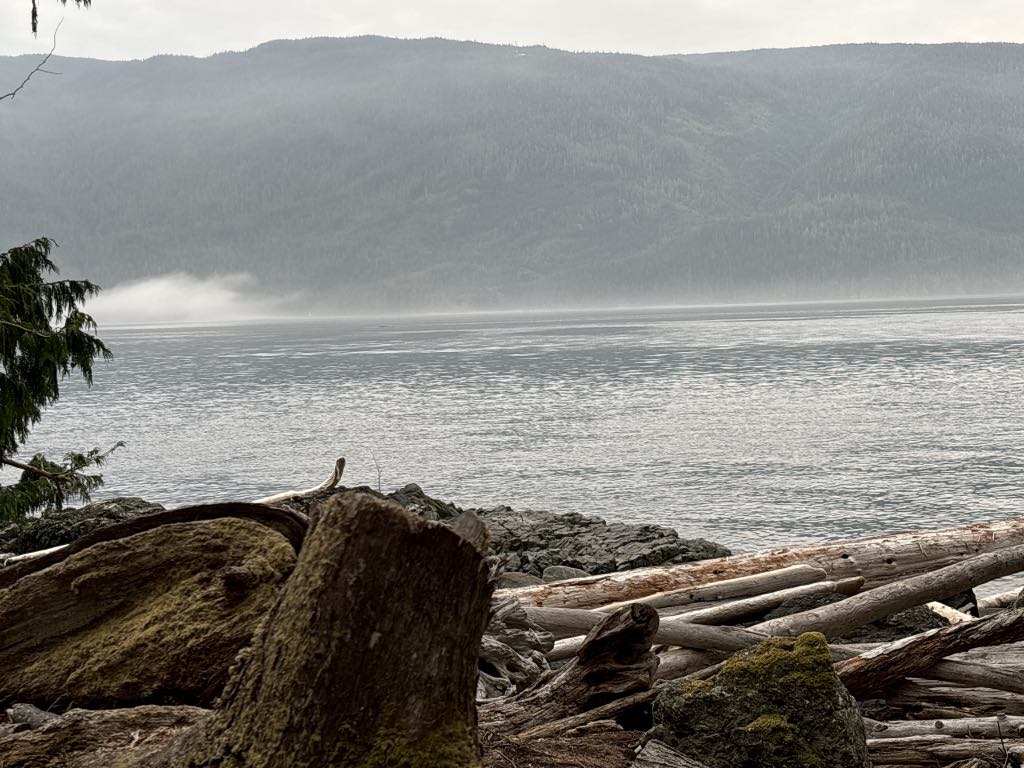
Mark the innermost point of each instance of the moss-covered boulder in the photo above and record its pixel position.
(777, 705)
(157, 617)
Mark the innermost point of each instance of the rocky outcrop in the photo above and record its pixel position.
(157, 617)
(777, 705)
(56, 528)
(535, 540)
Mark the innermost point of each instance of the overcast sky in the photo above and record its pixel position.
(122, 29)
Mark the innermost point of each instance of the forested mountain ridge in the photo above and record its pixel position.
(375, 172)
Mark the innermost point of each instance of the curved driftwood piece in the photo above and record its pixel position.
(332, 481)
(615, 661)
(291, 525)
(877, 560)
(878, 669)
(744, 586)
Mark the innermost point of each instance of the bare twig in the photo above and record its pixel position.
(379, 471)
(39, 67)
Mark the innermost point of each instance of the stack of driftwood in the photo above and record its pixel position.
(384, 644)
(958, 688)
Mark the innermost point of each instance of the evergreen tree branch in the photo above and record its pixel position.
(52, 477)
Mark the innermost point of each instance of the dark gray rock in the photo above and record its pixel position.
(777, 705)
(514, 580)
(535, 540)
(562, 573)
(57, 528)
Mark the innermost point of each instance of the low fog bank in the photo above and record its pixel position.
(183, 298)
(186, 299)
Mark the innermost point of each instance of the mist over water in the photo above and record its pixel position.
(755, 428)
(183, 298)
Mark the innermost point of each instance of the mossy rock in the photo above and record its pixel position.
(154, 618)
(777, 705)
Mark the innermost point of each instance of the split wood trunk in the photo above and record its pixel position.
(878, 561)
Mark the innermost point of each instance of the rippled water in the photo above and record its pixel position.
(754, 428)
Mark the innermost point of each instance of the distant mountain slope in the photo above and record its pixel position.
(430, 173)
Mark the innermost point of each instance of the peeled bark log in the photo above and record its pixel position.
(879, 669)
(291, 525)
(369, 656)
(615, 661)
(966, 727)
(952, 615)
(744, 586)
(670, 632)
(998, 601)
(839, 618)
(878, 561)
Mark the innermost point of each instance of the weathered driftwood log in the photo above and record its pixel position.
(332, 480)
(655, 754)
(744, 586)
(950, 670)
(878, 561)
(291, 525)
(93, 739)
(879, 669)
(615, 661)
(952, 615)
(715, 614)
(512, 651)
(374, 589)
(670, 632)
(999, 727)
(998, 601)
(939, 750)
(839, 618)
(157, 617)
(917, 695)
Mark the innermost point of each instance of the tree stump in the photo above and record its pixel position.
(369, 657)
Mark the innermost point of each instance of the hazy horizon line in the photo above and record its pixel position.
(516, 45)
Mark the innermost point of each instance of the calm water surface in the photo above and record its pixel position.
(752, 427)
